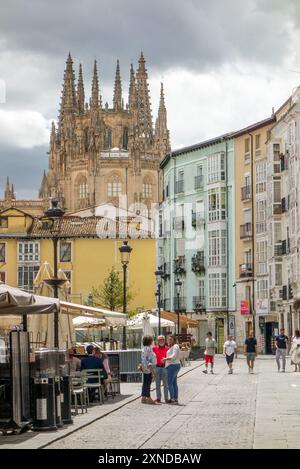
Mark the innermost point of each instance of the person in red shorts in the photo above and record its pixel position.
(210, 350)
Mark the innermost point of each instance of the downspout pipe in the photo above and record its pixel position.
(253, 231)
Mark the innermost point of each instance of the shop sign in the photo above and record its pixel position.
(245, 307)
(261, 307)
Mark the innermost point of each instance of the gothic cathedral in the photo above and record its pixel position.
(98, 153)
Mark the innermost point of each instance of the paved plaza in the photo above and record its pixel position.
(217, 411)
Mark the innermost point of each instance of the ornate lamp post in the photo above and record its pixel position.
(125, 251)
(54, 214)
(158, 274)
(178, 285)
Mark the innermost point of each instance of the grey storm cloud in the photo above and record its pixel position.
(25, 168)
(191, 33)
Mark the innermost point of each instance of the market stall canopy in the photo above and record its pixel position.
(86, 322)
(184, 320)
(14, 301)
(112, 318)
(137, 322)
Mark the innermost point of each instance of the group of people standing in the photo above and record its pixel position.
(161, 363)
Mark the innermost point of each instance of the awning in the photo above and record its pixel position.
(112, 318)
(14, 301)
(184, 320)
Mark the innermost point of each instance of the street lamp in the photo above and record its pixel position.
(125, 251)
(53, 214)
(178, 285)
(158, 274)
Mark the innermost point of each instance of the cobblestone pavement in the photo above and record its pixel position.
(217, 411)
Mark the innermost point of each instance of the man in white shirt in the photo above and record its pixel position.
(229, 350)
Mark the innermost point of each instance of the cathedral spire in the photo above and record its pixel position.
(69, 94)
(162, 138)
(52, 136)
(95, 100)
(68, 99)
(143, 100)
(118, 89)
(7, 189)
(80, 92)
(132, 98)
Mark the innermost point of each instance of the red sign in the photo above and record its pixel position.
(245, 307)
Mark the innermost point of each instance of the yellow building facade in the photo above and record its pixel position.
(86, 253)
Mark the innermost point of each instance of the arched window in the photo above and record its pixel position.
(125, 138)
(108, 139)
(81, 187)
(147, 188)
(114, 186)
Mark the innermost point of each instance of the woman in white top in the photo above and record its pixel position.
(295, 351)
(172, 366)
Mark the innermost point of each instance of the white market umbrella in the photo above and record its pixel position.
(139, 322)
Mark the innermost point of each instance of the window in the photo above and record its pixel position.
(217, 290)
(261, 177)
(247, 150)
(114, 187)
(26, 276)
(125, 138)
(201, 289)
(276, 152)
(83, 190)
(261, 256)
(277, 192)
(261, 216)
(262, 289)
(147, 190)
(217, 248)
(216, 168)
(278, 274)
(217, 204)
(29, 251)
(2, 252)
(108, 139)
(65, 251)
(3, 222)
(257, 142)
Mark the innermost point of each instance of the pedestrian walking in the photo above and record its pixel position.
(210, 350)
(295, 351)
(160, 351)
(229, 350)
(281, 343)
(250, 350)
(147, 367)
(172, 362)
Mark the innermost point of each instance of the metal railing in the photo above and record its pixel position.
(199, 303)
(246, 270)
(246, 193)
(246, 230)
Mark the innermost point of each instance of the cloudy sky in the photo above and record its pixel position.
(224, 64)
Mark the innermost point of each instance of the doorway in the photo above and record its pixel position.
(220, 334)
(271, 328)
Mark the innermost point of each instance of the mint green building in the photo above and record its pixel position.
(196, 235)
